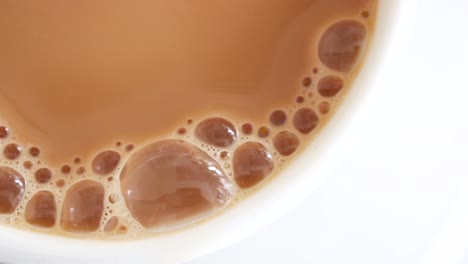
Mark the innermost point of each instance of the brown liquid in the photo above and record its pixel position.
(119, 117)
(75, 76)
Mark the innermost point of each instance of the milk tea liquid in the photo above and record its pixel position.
(131, 118)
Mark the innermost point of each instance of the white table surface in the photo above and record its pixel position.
(403, 198)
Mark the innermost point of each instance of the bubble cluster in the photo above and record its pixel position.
(28, 165)
(307, 82)
(156, 185)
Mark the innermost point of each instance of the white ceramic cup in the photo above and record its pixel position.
(296, 182)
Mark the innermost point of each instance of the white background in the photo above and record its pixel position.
(401, 196)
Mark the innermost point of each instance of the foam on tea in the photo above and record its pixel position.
(130, 118)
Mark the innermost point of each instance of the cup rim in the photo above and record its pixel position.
(246, 217)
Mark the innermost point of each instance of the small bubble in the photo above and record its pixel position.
(315, 70)
(118, 143)
(247, 129)
(365, 14)
(224, 155)
(65, 169)
(80, 170)
(12, 151)
(299, 99)
(263, 132)
(109, 179)
(60, 183)
(34, 151)
(307, 81)
(122, 229)
(112, 198)
(4, 132)
(27, 165)
(227, 165)
(324, 107)
(129, 147)
(77, 160)
(181, 131)
(43, 175)
(189, 122)
(278, 118)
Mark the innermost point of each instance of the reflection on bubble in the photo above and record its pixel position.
(324, 107)
(263, 132)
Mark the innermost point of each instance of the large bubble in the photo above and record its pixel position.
(171, 183)
(341, 45)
